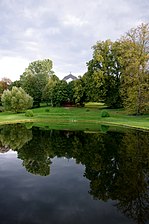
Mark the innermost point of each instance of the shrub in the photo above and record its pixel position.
(47, 110)
(104, 128)
(29, 113)
(16, 100)
(105, 113)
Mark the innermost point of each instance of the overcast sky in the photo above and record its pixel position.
(61, 30)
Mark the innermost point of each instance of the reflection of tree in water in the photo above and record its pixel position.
(123, 174)
(3, 148)
(15, 136)
(35, 154)
(117, 164)
(38, 167)
(102, 169)
(134, 167)
(31, 151)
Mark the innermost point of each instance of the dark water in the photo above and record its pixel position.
(52, 177)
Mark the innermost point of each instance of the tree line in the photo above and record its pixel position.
(117, 74)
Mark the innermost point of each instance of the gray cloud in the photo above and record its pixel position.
(64, 31)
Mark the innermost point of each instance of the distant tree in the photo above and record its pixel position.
(60, 93)
(6, 80)
(79, 91)
(16, 83)
(71, 91)
(35, 78)
(16, 100)
(4, 84)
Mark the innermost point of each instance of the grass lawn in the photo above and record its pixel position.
(77, 118)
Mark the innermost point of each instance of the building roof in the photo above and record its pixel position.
(70, 76)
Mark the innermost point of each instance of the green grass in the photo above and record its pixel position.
(85, 118)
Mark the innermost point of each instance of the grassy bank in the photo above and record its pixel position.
(74, 117)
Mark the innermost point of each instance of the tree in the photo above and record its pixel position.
(103, 75)
(60, 93)
(5, 83)
(47, 94)
(16, 100)
(35, 78)
(16, 83)
(79, 91)
(70, 90)
(135, 62)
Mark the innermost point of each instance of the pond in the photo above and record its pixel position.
(61, 176)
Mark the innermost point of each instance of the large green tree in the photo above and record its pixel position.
(103, 75)
(135, 62)
(35, 78)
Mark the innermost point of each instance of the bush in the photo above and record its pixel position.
(104, 128)
(47, 110)
(16, 100)
(29, 113)
(105, 113)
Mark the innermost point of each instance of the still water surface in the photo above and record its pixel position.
(51, 176)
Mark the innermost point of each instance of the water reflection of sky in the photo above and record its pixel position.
(61, 197)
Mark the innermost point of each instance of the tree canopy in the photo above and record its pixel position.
(135, 75)
(118, 73)
(104, 73)
(35, 78)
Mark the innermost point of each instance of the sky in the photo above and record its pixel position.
(62, 30)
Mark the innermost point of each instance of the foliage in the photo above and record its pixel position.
(135, 62)
(29, 113)
(104, 128)
(5, 84)
(35, 78)
(103, 76)
(105, 113)
(71, 91)
(47, 94)
(79, 91)
(60, 93)
(16, 83)
(118, 72)
(16, 100)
